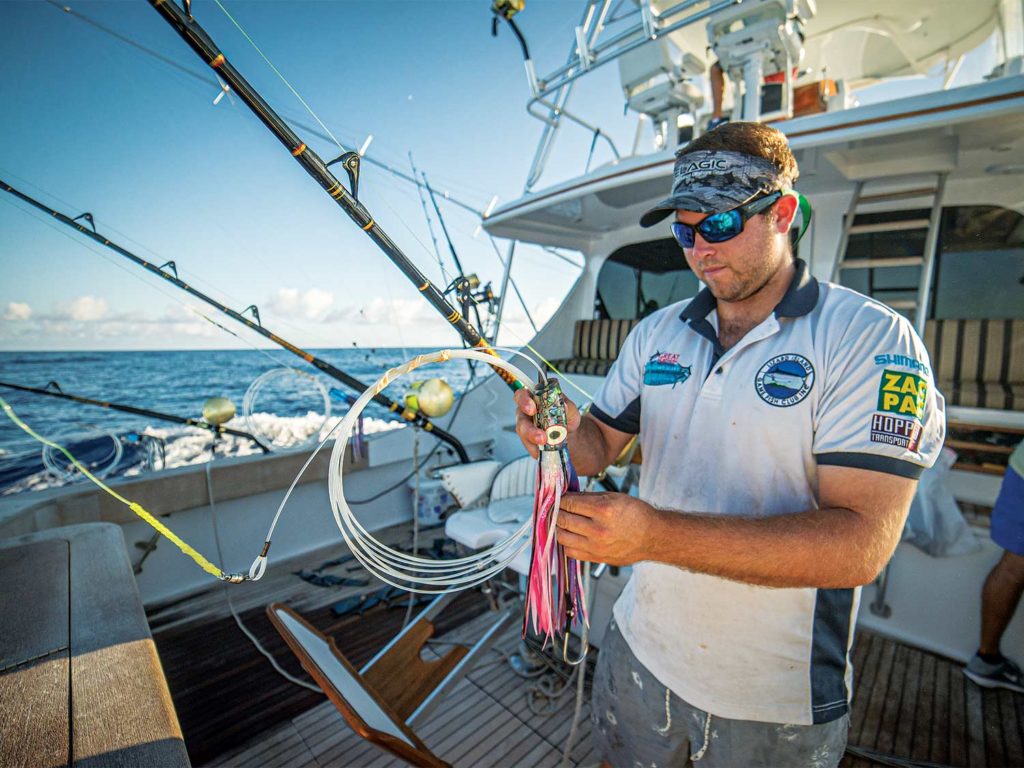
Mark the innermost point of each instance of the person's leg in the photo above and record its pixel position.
(729, 743)
(1003, 587)
(717, 78)
(635, 719)
(999, 599)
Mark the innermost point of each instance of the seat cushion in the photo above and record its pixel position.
(976, 350)
(600, 339)
(475, 529)
(980, 394)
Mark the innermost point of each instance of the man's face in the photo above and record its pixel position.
(738, 268)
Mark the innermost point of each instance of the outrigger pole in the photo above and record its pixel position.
(53, 390)
(200, 42)
(172, 277)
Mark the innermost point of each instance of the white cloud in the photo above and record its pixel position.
(388, 313)
(87, 309)
(312, 304)
(17, 311)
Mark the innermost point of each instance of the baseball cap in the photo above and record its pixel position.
(709, 181)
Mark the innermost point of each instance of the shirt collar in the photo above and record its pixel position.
(800, 298)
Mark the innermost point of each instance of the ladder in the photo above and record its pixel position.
(916, 307)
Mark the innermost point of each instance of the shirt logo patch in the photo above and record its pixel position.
(663, 368)
(785, 380)
(902, 393)
(903, 361)
(893, 430)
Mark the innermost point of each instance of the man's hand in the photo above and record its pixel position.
(529, 433)
(608, 528)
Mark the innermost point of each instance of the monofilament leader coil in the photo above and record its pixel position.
(58, 466)
(417, 574)
(249, 403)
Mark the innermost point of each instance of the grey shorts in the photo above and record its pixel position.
(639, 723)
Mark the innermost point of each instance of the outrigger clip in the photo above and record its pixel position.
(89, 220)
(350, 162)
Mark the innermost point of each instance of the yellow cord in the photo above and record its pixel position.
(201, 561)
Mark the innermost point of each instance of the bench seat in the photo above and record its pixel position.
(978, 363)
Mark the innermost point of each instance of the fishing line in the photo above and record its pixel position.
(156, 258)
(562, 377)
(67, 474)
(217, 86)
(278, 73)
(227, 595)
(512, 282)
(430, 224)
(155, 286)
(249, 402)
(377, 558)
(135, 507)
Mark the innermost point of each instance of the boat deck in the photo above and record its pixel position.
(224, 691)
(907, 703)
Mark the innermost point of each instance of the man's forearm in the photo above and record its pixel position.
(823, 548)
(587, 448)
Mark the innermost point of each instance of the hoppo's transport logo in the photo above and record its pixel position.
(785, 380)
(892, 430)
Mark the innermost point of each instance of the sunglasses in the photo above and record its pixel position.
(719, 227)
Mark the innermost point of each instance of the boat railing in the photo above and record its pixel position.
(600, 39)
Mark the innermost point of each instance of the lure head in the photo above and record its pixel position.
(551, 413)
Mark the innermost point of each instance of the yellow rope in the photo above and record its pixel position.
(201, 561)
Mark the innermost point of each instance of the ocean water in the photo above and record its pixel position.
(288, 409)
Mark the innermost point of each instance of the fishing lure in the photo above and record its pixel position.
(554, 597)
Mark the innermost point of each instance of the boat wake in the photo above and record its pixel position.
(158, 448)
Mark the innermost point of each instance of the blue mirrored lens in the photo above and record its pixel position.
(683, 234)
(720, 227)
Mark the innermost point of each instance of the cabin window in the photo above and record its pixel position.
(979, 267)
(641, 278)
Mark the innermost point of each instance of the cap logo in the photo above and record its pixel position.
(709, 181)
(705, 165)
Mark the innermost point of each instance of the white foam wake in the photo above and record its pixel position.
(188, 446)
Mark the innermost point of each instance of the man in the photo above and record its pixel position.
(783, 425)
(1004, 585)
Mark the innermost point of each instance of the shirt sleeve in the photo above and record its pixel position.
(879, 408)
(617, 403)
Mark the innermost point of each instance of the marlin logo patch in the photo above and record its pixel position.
(663, 368)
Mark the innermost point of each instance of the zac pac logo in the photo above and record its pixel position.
(902, 393)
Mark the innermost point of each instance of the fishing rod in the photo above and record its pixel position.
(172, 277)
(53, 390)
(348, 199)
(68, 11)
(463, 285)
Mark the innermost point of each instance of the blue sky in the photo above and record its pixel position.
(94, 124)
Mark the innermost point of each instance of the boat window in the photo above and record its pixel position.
(641, 278)
(979, 269)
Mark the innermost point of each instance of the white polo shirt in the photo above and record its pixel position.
(831, 378)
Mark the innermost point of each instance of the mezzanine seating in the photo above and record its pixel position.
(595, 345)
(978, 363)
